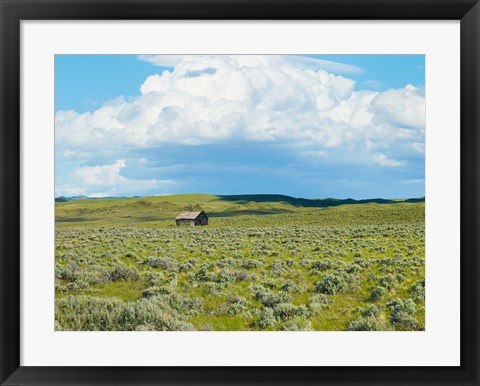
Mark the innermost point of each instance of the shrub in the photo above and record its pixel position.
(297, 325)
(123, 273)
(153, 278)
(252, 263)
(354, 268)
(66, 272)
(211, 288)
(187, 265)
(183, 304)
(318, 266)
(318, 302)
(241, 275)
(403, 313)
(267, 318)
(155, 291)
(164, 263)
(84, 313)
(155, 311)
(270, 298)
(377, 293)
(388, 281)
(371, 319)
(205, 274)
(331, 284)
(225, 276)
(367, 324)
(269, 283)
(292, 287)
(278, 268)
(371, 311)
(418, 291)
(236, 305)
(284, 311)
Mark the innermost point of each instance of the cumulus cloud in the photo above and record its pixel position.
(100, 175)
(402, 107)
(108, 180)
(235, 99)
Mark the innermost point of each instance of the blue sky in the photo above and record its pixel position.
(308, 126)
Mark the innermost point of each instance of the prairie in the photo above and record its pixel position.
(263, 263)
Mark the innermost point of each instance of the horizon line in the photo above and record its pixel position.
(241, 194)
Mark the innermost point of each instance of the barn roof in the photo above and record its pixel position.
(188, 215)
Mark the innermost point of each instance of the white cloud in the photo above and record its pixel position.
(69, 153)
(403, 107)
(162, 60)
(234, 99)
(109, 180)
(301, 61)
(383, 160)
(312, 154)
(100, 175)
(419, 147)
(327, 65)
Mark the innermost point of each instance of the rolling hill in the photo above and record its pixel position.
(157, 208)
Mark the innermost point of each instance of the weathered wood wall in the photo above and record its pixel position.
(202, 219)
(185, 222)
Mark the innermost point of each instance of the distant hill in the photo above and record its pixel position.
(311, 203)
(73, 198)
(154, 208)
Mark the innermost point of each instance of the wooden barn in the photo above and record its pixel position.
(192, 218)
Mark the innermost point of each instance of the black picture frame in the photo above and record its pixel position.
(13, 11)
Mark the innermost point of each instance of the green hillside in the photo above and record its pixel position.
(163, 208)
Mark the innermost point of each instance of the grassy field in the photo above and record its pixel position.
(269, 263)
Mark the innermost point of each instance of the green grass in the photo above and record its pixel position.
(126, 291)
(232, 273)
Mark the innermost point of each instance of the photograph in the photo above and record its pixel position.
(221, 192)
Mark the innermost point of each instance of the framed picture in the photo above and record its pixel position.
(202, 192)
